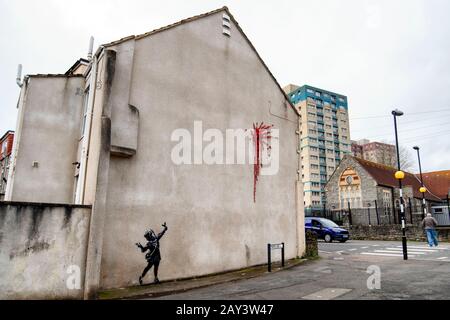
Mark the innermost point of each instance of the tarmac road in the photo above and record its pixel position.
(342, 273)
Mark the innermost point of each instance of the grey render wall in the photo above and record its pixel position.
(38, 243)
(194, 72)
(52, 115)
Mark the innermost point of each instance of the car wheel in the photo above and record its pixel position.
(328, 238)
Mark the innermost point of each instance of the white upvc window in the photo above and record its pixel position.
(85, 110)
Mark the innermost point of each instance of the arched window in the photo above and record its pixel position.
(350, 189)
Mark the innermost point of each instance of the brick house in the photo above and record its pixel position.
(6, 143)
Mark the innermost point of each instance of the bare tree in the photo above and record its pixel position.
(406, 159)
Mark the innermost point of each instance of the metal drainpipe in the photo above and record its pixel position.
(17, 136)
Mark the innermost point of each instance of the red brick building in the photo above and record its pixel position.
(378, 152)
(6, 144)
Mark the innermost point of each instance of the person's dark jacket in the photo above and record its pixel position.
(429, 223)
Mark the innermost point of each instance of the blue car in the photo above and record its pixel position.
(326, 229)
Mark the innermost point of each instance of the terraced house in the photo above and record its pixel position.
(94, 148)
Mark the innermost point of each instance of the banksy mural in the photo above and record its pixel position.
(153, 256)
(257, 146)
(261, 137)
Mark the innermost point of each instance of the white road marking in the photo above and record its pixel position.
(351, 249)
(336, 258)
(384, 254)
(427, 247)
(364, 247)
(412, 249)
(442, 258)
(396, 251)
(415, 249)
(375, 245)
(423, 259)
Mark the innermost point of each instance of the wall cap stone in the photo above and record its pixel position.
(42, 204)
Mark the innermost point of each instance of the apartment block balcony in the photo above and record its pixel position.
(320, 121)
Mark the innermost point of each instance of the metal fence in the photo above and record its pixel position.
(371, 213)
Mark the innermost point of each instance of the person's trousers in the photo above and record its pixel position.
(432, 237)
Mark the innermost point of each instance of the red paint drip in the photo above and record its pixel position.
(261, 137)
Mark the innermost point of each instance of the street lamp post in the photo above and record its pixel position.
(422, 187)
(399, 175)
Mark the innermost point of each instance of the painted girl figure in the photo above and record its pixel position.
(153, 255)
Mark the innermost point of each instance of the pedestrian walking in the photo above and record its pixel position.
(429, 224)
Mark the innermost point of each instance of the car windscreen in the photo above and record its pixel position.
(329, 223)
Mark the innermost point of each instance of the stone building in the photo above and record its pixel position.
(107, 136)
(6, 143)
(364, 186)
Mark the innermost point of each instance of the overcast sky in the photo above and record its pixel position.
(380, 54)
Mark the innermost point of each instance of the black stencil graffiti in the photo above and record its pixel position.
(153, 256)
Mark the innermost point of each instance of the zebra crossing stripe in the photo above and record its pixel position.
(384, 254)
(413, 249)
(434, 249)
(397, 251)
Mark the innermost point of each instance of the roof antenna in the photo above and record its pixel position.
(19, 76)
(91, 48)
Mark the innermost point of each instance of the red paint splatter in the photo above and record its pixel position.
(261, 138)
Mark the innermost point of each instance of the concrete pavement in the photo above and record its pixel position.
(149, 290)
(341, 273)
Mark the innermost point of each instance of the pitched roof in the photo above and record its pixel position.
(438, 182)
(170, 26)
(6, 133)
(384, 175)
(76, 64)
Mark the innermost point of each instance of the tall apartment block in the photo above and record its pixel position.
(325, 138)
(378, 152)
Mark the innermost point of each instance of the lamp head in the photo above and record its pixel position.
(397, 113)
(399, 175)
(416, 148)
